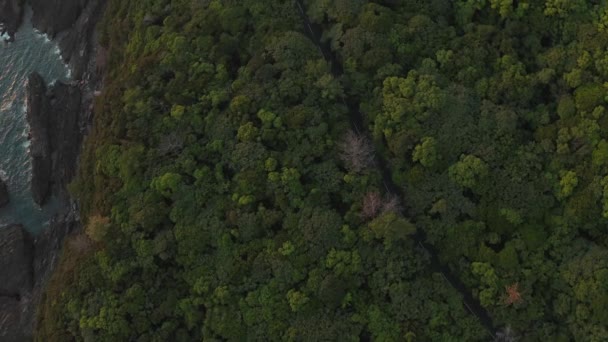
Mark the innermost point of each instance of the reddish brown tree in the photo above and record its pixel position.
(513, 295)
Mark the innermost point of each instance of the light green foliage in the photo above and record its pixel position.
(589, 96)
(468, 171)
(296, 300)
(415, 97)
(390, 227)
(177, 111)
(287, 249)
(600, 154)
(167, 184)
(513, 216)
(566, 107)
(605, 197)
(343, 262)
(602, 24)
(504, 7)
(426, 152)
(247, 132)
(567, 183)
(489, 281)
(562, 8)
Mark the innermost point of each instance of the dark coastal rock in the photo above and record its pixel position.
(72, 24)
(38, 119)
(54, 16)
(58, 117)
(11, 318)
(55, 135)
(64, 134)
(47, 247)
(16, 262)
(26, 265)
(4, 196)
(11, 14)
(25, 268)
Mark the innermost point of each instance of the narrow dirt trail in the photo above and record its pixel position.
(314, 32)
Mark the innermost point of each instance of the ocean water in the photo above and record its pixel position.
(29, 52)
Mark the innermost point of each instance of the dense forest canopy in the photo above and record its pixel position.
(235, 184)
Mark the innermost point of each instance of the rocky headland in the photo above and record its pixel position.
(53, 116)
(58, 116)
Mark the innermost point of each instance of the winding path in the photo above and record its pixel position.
(314, 33)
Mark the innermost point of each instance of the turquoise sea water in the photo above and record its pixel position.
(30, 52)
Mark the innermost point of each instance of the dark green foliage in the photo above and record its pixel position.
(226, 194)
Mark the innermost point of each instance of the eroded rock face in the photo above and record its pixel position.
(16, 262)
(10, 321)
(53, 116)
(4, 196)
(11, 14)
(72, 24)
(54, 16)
(64, 134)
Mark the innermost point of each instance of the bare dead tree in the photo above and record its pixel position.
(506, 335)
(375, 204)
(356, 151)
(81, 243)
(170, 143)
(392, 204)
(372, 203)
(101, 61)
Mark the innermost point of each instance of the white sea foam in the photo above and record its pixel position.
(5, 37)
(31, 51)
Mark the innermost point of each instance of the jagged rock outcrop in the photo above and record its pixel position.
(54, 16)
(16, 282)
(55, 136)
(11, 318)
(38, 119)
(4, 195)
(58, 117)
(72, 24)
(11, 14)
(64, 134)
(16, 256)
(25, 267)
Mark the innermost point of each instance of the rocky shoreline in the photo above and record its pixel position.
(58, 117)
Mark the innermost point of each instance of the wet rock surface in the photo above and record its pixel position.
(16, 255)
(37, 117)
(4, 195)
